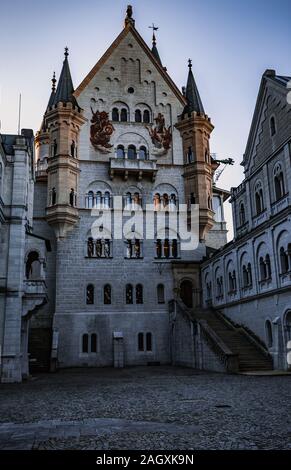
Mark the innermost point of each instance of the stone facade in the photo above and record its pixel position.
(22, 254)
(80, 171)
(249, 279)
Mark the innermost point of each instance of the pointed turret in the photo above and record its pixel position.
(194, 102)
(53, 93)
(155, 50)
(65, 89)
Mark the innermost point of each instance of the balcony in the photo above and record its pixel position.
(280, 205)
(138, 168)
(35, 295)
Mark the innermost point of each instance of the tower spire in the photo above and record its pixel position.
(194, 102)
(154, 47)
(53, 92)
(65, 88)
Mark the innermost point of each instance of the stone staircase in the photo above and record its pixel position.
(251, 353)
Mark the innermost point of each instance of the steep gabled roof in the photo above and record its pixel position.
(130, 29)
(268, 78)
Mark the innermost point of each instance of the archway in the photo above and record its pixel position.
(32, 267)
(186, 293)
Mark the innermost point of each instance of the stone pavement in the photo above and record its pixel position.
(159, 408)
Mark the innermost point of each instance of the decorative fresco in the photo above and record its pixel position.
(160, 135)
(101, 131)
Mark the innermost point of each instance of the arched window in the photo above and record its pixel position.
(190, 157)
(161, 294)
(166, 201)
(245, 276)
(263, 273)
(93, 343)
(32, 266)
(107, 294)
(149, 346)
(129, 294)
(166, 248)
(90, 200)
(85, 343)
(120, 153)
(136, 252)
(90, 247)
(90, 294)
(259, 201)
(242, 214)
(142, 153)
(131, 152)
(268, 267)
(107, 200)
(272, 126)
(173, 202)
(137, 115)
(98, 200)
(269, 334)
(140, 341)
(250, 276)
(284, 261)
(146, 116)
(54, 196)
(128, 201)
(159, 248)
(115, 115)
(157, 202)
(72, 198)
(279, 182)
(73, 149)
(174, 248)
(123, 115)
(139, 294)
(55, 147)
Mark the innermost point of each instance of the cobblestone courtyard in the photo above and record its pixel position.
(146, 408)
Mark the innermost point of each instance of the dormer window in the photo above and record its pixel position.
(273, 129)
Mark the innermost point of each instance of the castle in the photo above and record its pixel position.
(80, 290)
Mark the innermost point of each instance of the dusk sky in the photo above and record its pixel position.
(231, 44)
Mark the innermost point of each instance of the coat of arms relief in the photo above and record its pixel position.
(101, 130)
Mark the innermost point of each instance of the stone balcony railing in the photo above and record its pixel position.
(34, 287)
(280, 205)
(139, 168)
(242, 230)
(35, 295)
(260, 218)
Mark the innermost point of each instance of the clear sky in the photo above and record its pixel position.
(231, 44)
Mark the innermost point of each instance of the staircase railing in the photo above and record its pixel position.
(245, 331)
(220, 349)
(225, 355)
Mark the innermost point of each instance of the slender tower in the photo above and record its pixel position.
(62, 121)
(195, 128)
